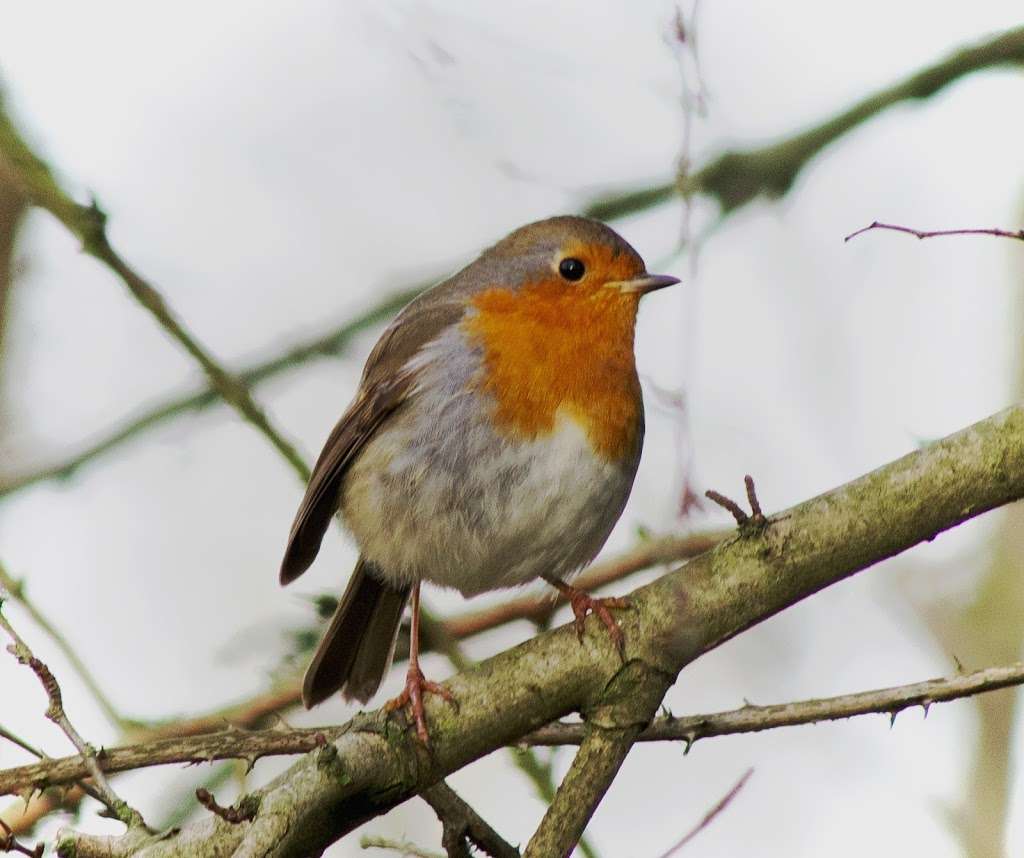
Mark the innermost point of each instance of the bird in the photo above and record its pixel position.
(493, 441)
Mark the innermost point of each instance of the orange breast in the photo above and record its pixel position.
(550, 350)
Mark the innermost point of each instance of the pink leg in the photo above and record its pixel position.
(415, 683)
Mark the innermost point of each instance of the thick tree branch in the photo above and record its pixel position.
(736, 178)
(374, 766)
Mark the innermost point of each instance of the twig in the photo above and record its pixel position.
(21, 743)
(998, 233)
(243, 811)
(16, 590)
(8, 843)
(55, 713)
(461, 822)
(719, 806)
(402, 847)
(756, 519)
(34, 179)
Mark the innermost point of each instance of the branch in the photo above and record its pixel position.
(55, 713)
(35, 181)
(998, 233)
(373, 766)
(736, 178)
(461, 823)
(753, 719)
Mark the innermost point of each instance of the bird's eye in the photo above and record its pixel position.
(571, 268)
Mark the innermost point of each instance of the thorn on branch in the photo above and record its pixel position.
(244, 811)
(918, 233)
(751, 523)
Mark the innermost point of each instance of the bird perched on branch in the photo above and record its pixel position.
(493, 440)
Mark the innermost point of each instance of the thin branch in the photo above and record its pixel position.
(753, 719)
(16, 589)
(21, 743)
(460, 823)
(34, 179)
(736, 178)
(55, 713)
(709, 817)
(998, 233)
(252, 745)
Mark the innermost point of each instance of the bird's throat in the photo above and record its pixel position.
(550, 352)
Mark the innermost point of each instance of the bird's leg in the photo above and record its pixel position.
(583, 604)
(415, 683)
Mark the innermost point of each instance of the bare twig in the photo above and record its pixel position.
(16, 589)
(55, 713)
(461, 823)
(709, 817)
(998, 233)
(756, 520)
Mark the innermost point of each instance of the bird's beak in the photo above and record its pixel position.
(645, 283)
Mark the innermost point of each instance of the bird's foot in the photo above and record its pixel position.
(582, 604)
(416, 685)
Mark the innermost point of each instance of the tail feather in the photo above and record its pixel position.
(359, 645)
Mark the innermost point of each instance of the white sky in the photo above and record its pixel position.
(275, 167)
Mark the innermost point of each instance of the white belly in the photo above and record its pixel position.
(476, 511)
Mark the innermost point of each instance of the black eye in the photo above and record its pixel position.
(571, 269)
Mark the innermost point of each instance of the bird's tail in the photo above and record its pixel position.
(357, 650)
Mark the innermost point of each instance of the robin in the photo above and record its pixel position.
(493, 441)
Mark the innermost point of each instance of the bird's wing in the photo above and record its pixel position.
(387, 383)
